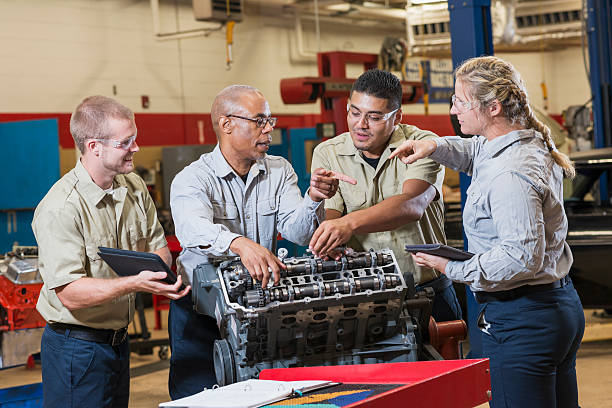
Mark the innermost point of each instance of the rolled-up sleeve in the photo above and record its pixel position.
(61, 246)
(456, 152)
(518, 254)
(192, 212)
(425, 169)
(298, 217)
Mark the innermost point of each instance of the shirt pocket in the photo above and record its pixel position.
(227, 214)
(96, 267)
(224, 212)
(354, 199)
(138, 236)
(473, 205)
(92, 252)
(390, 190)
(266, 218)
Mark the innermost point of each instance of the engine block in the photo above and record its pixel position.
(323, 312)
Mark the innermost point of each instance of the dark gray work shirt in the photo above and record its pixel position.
(211, 206)
(513, 218)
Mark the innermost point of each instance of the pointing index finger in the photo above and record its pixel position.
(343, 177)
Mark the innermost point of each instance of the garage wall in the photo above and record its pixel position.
(54, 52)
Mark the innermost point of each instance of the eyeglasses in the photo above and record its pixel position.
(260, 121)
(124, 144)
(461, 105)
(370, 117)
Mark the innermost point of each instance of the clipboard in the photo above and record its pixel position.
(129, 263)
(249, 394)
(442, 250)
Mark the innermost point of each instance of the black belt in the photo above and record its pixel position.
(505, 295)
(106, 336)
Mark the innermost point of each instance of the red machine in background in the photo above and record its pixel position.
(18, 305)
(21, 325)
(20, 286)
(332, 86)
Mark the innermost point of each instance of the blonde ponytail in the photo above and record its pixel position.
(561, 159)
(491, 78)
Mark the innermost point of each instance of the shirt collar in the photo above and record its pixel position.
(90, 190)
(347, 148)
(222, 167)
(94, 193)
(493, 147)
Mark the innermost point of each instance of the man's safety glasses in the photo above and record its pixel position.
(259, 121)
(124, 144)
(370, 117)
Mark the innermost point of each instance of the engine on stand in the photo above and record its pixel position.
(21, 326)
(358, 309)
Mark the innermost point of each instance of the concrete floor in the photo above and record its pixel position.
(150, 374)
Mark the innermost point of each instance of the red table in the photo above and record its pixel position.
(427, 384)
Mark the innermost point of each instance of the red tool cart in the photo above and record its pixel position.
(427, 384)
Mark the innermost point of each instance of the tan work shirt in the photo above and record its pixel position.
(375, 185)
(71, 222)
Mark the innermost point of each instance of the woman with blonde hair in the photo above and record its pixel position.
(530, 315)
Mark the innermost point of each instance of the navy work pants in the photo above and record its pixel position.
(532, 343)
(81, 374)
(192, 336)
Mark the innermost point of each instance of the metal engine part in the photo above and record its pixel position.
(21, 326)
(358, 309)
(23, 271)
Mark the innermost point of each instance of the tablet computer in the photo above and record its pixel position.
(441, 250)
(128, 263)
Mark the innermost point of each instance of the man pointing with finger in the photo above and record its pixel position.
(234, 201)
(392, 204)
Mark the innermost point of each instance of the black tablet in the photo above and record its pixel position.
(128, 263)
(441, 250)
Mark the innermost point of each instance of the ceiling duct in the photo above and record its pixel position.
(217, 10)
(518, 25)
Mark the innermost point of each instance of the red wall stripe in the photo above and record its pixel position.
(163, 129)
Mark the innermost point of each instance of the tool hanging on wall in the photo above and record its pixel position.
(229, 40)
(424, 75)
(544, 95)
(543, 83)
(228, 16)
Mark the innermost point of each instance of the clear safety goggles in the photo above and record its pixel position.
(124, 144)
(462, 106)
(370, 117)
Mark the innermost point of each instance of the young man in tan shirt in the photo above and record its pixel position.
(391, 205)
(84, 348)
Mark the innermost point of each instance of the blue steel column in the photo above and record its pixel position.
(471, 36)
(599, 33)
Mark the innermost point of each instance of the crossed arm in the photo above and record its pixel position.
(389, 214)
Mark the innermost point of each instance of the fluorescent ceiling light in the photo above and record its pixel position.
(427, 1)
(345, 7)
